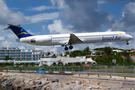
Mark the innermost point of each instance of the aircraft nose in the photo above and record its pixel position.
(130, 37)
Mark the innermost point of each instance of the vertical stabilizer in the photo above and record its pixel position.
(18, 30)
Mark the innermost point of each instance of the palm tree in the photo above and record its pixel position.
(60, 64)
(7, 58)
(32, 64)
(77, 64)
(83, 63)
(54, 64)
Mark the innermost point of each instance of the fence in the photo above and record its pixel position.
(103, 69)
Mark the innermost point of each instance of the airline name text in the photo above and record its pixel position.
(111, 38)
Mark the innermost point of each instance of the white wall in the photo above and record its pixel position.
(64, 60)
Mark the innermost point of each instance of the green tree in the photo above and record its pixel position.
(11, 64)
(54, 64)
(76, 53)
(70, 64)
(48, 53)
(127, 57)
(54, 56)
(66, 53)
(32, 64)
(108, 50)
(86, 51)
(17, 64)
(88, 62)
(61, 54)
(98, 53)
(7, 58)
(60, 64)
(1, 64)
(77, 64)
(83, 63)
(21, 64)
(26, 64)
(66, 64)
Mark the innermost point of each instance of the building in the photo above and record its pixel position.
(50, 61)
(15, 62)
(97, 53)
(64, 60)
(117, 50)
(22, 54)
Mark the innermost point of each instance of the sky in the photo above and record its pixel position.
(40, 17)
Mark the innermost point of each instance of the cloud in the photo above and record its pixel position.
(101, 1)
(42, 17)
(7, 16)
(84, 16)
(58, 3)
(40, 8)
(58, 27)
(2, 38)
(127, 21)
(113, 1)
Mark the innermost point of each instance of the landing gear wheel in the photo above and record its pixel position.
(70, 47)
(127, 43)
(66, 48)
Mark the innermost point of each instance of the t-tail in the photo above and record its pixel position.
(18, 30)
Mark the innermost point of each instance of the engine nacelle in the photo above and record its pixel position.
(41, 39)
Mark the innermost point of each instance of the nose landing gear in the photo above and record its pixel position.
(127, 43)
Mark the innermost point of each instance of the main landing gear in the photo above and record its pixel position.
(70, 47)
(127, 43)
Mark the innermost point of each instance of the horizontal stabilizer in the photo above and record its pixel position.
(14, 25)
(6, 28)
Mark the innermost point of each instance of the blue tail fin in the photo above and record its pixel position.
(18, 30)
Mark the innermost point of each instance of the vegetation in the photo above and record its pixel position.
(76, 53)
(122, 58)
(54, 64)
(7, 58)
(54, 56)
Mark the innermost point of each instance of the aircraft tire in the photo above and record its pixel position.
(66, 48)
(127, 43)
(70, 47)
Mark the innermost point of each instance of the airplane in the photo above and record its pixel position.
(68, 39)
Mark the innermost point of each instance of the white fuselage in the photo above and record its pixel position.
(63, 39)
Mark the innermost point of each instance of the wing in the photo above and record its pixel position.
(74, 39)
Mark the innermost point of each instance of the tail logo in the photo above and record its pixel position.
(22, 33)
